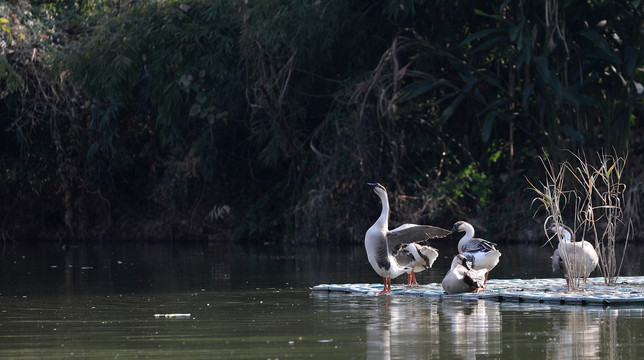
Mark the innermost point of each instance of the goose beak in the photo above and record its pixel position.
(377, 186)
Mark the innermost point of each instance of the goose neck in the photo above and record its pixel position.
(565, 237)
(415, 253)
(383, 220)
(469, 231)
(565, 234)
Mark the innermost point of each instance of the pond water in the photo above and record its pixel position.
(99, 301)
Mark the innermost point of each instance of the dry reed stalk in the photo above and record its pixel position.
(602, 192)
(598, 200)
(553, 199)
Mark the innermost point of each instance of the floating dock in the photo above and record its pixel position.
(627, 291)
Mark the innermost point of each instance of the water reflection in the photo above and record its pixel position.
(402, 328)
(474, 328)
(578, 335)
(589, 333)
(423, 328)
(256, 303)
(574, 332)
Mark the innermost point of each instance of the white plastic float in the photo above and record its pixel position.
(627, 291)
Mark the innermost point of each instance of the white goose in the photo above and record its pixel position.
(379, 240)
(462, 278)
(483, 253)
(416, 257)
(581, 255)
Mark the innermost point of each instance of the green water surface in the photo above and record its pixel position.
(99, 302)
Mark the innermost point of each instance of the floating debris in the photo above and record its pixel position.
(628, 291)
(167, 316)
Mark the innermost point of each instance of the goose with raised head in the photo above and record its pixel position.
(416, 258)
(483, 253)
(581, 256)
(380, 242)
(462, 278)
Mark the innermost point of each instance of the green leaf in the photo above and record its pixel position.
(569, 97)
(195, 109)
(630, 55)
(570, 131)
(514, 31)
(449, 111)
(490, 118)
(504, 5)
(527, 91)
(495, 17)
(542, 67)
(490, 43)
(601, 44)
(481, 34)
(201, 97)
(417, 89)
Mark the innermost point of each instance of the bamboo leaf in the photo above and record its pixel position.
(417, 89)
(568, 130)
(605, 51)
(526, 92)
(449, 111)
(481, 34)
(195, 109)
(487, 125)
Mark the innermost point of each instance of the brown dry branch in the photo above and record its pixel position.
(383, 82)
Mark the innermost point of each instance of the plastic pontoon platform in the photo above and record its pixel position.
(627, 291)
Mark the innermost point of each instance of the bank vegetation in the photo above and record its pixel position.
(262, 121)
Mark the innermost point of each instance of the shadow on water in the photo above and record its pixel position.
(244, 302)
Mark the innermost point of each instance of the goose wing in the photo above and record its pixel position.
(470, 259)
(478, 245)
(404, 258)
(411, 233)
(474, 278)
(557, 261)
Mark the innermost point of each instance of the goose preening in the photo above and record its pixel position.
(483, 253)
(581, 255)
(461, 277)
(380, 242)
(416, 258)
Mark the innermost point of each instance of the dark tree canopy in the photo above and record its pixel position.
(262, 121)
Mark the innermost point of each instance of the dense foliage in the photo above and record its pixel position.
(263, 120)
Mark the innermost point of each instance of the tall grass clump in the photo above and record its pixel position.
(601, 213)
(595, 194)
(554, 198)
